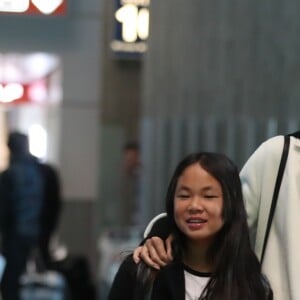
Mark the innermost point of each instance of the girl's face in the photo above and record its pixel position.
(198, 204)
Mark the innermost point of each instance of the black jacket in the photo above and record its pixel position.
(123, 286)
(169, 283)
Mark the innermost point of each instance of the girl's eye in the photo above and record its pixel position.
(183, 196)
(210, 196)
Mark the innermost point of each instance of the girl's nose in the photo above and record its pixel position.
(195, 205)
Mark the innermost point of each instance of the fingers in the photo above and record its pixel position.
(154, 253)
(157, 251)
(142, 253)
(169, 248)
(146, 257)
(136, 254)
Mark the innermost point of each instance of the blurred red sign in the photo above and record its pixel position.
(35, 92)
(36, 7)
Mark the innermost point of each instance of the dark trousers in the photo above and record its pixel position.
(16, 250)
(44, 248)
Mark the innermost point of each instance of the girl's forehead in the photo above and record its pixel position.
(195, 171)
(196, 175)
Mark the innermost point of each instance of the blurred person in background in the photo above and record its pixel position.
(29, 208)
(130, 182)
(21, 202)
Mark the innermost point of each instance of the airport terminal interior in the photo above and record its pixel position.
(113, 93)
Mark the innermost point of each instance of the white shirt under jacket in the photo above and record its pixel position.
(282, 257)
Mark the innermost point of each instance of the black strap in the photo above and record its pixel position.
(276, 190)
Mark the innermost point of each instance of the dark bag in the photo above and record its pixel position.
(38, 283)
(75, 269)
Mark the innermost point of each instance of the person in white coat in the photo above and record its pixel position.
(281, 262)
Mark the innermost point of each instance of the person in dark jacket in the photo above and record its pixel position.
(21, 202)
(30, 203)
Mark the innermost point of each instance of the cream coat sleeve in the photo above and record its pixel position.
(251, 185)
(258, 179)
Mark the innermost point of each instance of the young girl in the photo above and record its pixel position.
(211, 248)
(213, 259)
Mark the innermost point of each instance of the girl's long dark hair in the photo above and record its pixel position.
(145, 275)
(237, 272)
